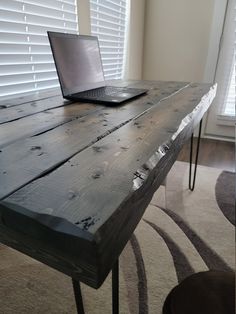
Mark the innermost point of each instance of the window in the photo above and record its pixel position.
(108, 22)
(229, 108)
(225, 71)
(26, 63)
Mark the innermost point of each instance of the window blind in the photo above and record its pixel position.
(229, 109)
(108, 23)
(26, 62)
(225, 71)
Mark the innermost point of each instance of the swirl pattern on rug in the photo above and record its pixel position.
(181, 233)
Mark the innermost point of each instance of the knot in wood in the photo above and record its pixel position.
(71, 195)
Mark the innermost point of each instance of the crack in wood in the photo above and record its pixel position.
(35, 147)
(48, 111)
(62, 162)
(10, 105)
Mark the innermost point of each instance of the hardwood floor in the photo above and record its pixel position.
(212, 153)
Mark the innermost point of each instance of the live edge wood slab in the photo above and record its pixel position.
(76, 178)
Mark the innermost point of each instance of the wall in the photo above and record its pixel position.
(84, 17)
(177, 35)
(135, 40)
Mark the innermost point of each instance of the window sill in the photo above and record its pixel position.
(225, 120)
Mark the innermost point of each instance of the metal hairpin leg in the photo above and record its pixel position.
(115, 292)
(191, 183)
(115, 288)
(78, 297)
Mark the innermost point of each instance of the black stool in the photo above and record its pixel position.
(210, 292)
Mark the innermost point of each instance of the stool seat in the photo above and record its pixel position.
(210, 292)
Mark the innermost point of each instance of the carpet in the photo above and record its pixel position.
(181, 233)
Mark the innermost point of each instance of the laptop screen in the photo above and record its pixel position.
(78, 62)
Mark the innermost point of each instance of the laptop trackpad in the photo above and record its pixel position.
(123, 95)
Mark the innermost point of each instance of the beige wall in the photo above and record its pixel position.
(176, 40)
(135, 33)
(84, 17)
(167, 40)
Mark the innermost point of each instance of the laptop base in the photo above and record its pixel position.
(114, 95)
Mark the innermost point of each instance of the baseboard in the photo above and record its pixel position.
(219, 138)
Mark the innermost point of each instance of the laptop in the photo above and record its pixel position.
(79, 68)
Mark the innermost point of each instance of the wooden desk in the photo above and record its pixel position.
(75, 179)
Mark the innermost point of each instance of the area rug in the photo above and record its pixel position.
(181, 233)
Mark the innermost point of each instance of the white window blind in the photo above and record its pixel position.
(108, 22)
(225, 72)
(26, 63)
(229, 108)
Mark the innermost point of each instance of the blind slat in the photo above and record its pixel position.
(105, 15)
(102, 35)
(102, 21)
(109, 29)
(26, 68)
(29, 9)
(230, 100)
(108, 22)
(53, 4)
(26, 62)
(104, 7)
(11, 59)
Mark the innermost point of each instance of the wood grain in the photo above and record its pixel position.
(41, 122)
(22, 99)
(23, 106)
(40, 154)
(92, 203)
(30, 108)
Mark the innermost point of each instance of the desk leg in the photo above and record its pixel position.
(115, 288)
(78, 297)
(191, 183)
(115, 292)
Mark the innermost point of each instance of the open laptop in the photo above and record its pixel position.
(79, 68)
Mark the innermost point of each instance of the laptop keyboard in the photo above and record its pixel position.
(101, 92)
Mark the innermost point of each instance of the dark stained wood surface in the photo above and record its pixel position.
(30, 108)
(73, 194)
(19, 107)
(36, 124)
(80, 127)
(22, 99)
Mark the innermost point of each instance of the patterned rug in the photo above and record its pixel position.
(181, 233)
